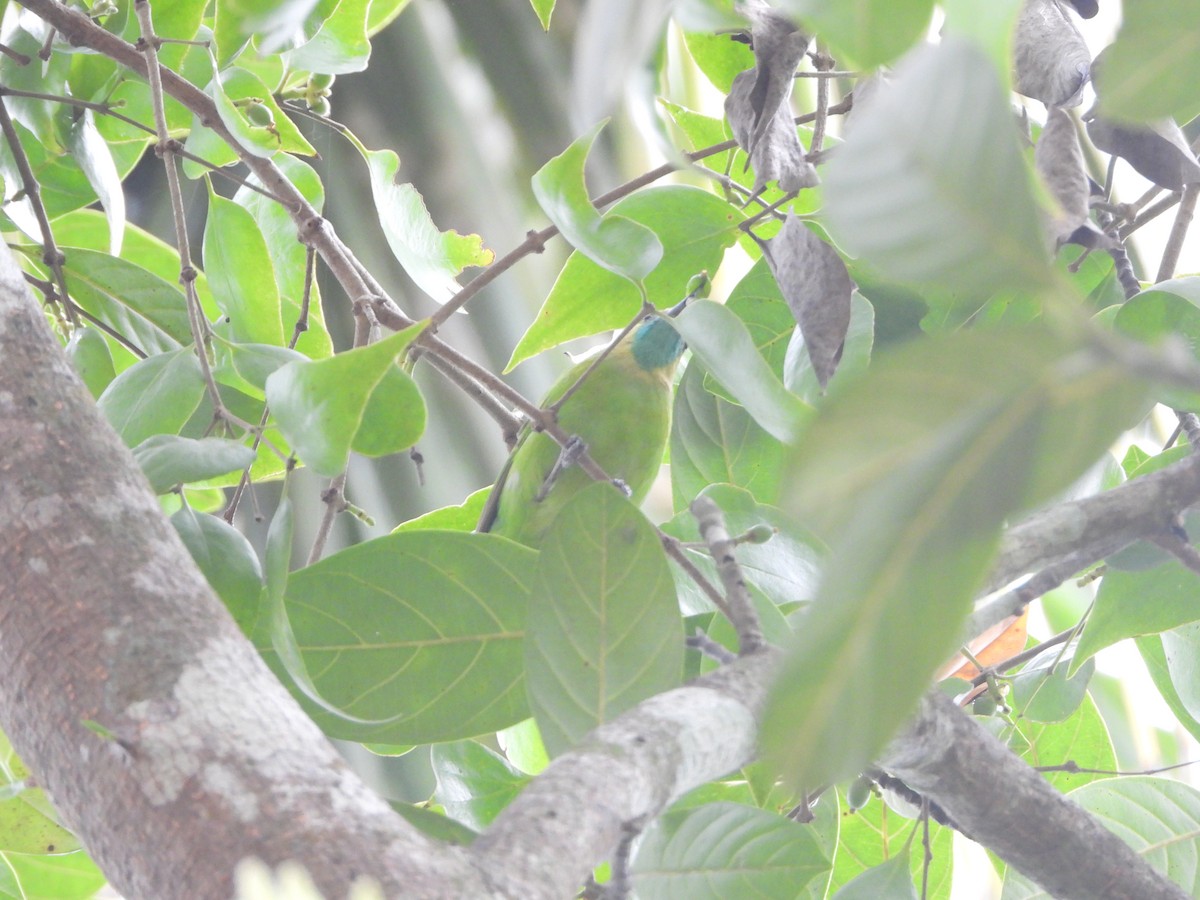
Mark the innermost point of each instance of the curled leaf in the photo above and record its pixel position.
(1052, 60)
(814, 282)
(757, 105)
(778, 49)
(778, 155)
(1157, 151)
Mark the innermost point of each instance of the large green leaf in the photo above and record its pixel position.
(240, 272)
(227, 560)
(908, 190)
(416, 637)
(721, 341)
(288, 255)
(888, 879)
(340, 45)
(473, 782)
(71, 876)
(144, 308)
(154, 396)
(604, 629)
(865, 33)
(1155, 657)
(432, 258)
(1169, 310)
(1130, 604)
(1082, 740)
(612, 241)
(722, 850)
(694, 227)
(876, 833)
(715, 441)
(356, 399)
(1152, 70)
(911, 472)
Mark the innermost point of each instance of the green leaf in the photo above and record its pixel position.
(416, 637)
(246, 367)
(1158, 817)
(877, 833)
(1130, 604)
(1171, 309)
(721, 341)
(463, 517)
(720, 58)
(990, 26)
(905, 189)
(694, 227)
(723, 850)
(612, 241)
(148, 311)
(473, 783)
(1011, 418)
(322, 406)
(240, 272)
(436, 825)
(889, 879)
(1045, 691)
(799, 376)
(785, 568)
(432, 258)
(1082, 739)
(289, 255)
(604, 630)
(91, 152)
(1152, 70)
(227, 560)
(544, 10)
(340, 45)
(715, 441)
(1155, 657)
(866, 33)
(91, 358)
(27, 826)
(71, 876)
(168, 460)
(1181, 646)
(155, 396)
(523, 746)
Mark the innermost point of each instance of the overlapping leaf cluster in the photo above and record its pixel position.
(897, 361)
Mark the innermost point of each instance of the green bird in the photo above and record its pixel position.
(622, 413)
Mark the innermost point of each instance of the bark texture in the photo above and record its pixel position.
(104, 618)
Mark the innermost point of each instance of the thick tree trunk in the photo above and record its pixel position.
(104, 618)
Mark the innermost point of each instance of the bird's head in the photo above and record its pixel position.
(655, 344)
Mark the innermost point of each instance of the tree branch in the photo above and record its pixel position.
(104, 618)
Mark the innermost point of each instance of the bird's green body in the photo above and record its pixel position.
(621, 411)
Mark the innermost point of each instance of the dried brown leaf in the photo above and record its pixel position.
(817, 287)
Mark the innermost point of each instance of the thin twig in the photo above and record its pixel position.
(32, 189)
(738, 604)
(165, 149)
(1183, 221)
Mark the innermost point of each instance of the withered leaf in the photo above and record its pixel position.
(1052, 60)
(778, 49)
(1158, 151)
(814, 282)
(778, 154)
